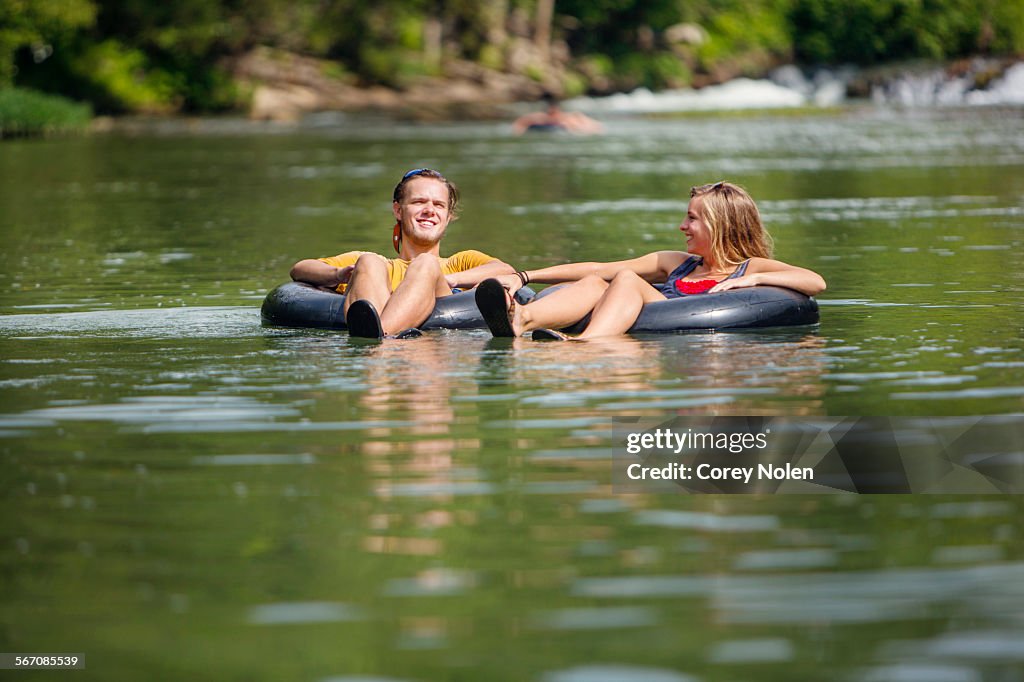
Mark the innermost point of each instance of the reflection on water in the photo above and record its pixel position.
(186, 491)
(452, 494)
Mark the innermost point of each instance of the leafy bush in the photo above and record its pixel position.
(122, 79)
(871, 31)
(653, 71)
(744, 28)
(26, 112)
(37, 23)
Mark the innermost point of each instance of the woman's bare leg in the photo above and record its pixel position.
(618, 309)
(562, 308)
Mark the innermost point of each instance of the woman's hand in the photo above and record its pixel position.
(737, 283)
(773, 273)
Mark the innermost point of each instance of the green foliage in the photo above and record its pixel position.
(871, 31)
(336, 71)
(491, 57)
(653, 71)
(182, 27)
(1005, 20)
(396, 68)
(120, 78)
(600, 65)
(742, 28)
(156, 57)
(37, 23)
(150, 55)
(610, 26)
(574, 85)
(26, 112)
(206, 89)
(409, 32)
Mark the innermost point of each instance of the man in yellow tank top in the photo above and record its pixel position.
(386, 296)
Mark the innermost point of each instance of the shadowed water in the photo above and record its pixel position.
(186, 493)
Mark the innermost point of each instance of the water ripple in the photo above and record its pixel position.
(615, 673)
(297, 613)
(597, 618)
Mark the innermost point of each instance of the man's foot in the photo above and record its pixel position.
(496, 306)
(549, 335)
(410, 333)
(363, 321)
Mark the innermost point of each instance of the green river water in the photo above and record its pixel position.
(185, 494)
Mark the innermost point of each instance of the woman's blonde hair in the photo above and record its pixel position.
(735, 223)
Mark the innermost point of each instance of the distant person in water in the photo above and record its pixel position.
(392, 296)
(554, 118)
(727, 247)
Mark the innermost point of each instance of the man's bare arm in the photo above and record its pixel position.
(320, 273)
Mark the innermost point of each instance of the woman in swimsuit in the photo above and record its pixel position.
(727, 248)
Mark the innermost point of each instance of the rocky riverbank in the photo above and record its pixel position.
(285, 87)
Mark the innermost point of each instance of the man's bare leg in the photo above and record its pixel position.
(414, 299)
(369, 281)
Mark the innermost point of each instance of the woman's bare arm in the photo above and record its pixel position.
(765, 271)
(653, 267)
(470, 278)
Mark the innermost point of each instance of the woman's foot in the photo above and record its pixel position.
(549, 335)
(497, 307)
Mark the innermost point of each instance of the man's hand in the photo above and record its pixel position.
(345, 274)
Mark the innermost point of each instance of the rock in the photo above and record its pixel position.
(287, 86)
(689, 34)
(283, 103)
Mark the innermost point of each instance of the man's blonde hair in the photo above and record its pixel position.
(732, 217)
(453, 191)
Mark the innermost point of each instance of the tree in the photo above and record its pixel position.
(38, 24)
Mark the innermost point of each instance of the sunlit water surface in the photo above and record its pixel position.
(187, 494)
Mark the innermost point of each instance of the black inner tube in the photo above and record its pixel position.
(297, 304)
(746, 308)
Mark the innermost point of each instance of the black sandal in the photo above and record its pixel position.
(363, 321)
(410, 333)
(496, 306)
(549, 335)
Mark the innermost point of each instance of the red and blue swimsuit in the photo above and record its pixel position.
(676, 287)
